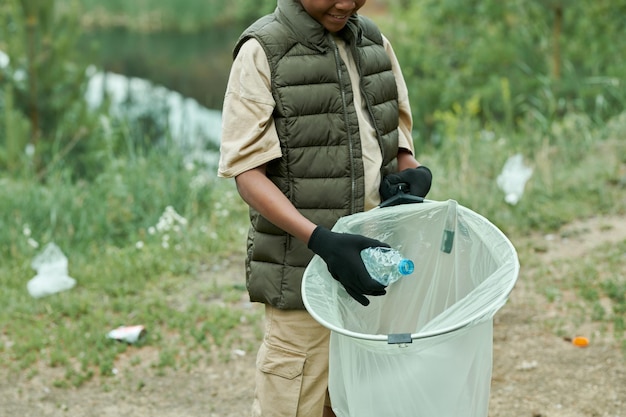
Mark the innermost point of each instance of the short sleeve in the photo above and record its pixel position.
(405, 126)
(249, 137)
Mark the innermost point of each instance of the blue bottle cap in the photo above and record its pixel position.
(406, 267)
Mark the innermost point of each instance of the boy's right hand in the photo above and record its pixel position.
(342, 254)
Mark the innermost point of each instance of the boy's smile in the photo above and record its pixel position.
(332, 14)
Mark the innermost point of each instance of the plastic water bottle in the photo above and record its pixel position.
(386, 265)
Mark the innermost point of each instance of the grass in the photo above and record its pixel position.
(181, 306)
(578, 171)
(588, 292)
(148, 247)
(149, 241)
(156, 287)
(136, 260)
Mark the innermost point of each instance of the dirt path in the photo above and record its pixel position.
(536, 373)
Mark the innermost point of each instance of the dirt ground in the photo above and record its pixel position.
(536, 372)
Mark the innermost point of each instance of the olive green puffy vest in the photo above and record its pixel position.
(321, 170)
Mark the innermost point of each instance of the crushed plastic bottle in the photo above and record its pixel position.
(386, 265)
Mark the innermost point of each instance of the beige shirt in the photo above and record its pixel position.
(249, 137)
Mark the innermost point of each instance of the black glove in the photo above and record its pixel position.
(418, 179)
(342, 254)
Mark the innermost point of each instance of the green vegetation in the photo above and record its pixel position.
(586, 291)
(522, 61)
(170, 15)
(578, 170)
(135, 261)
(99, 188)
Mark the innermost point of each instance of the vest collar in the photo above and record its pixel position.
(309, 31)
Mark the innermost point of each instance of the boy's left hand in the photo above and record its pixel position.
(418, 179)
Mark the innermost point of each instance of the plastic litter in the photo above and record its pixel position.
(128, 334)
(527, 366)
(513, 178)
(578, 341)
(386, 265)
(52, 275)
(426, 347)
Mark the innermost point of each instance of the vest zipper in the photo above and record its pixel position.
(345, 116)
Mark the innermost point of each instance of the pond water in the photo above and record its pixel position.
(195, 65)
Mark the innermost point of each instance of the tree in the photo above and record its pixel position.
(45, 79)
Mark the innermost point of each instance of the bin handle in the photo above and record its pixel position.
(401, 197)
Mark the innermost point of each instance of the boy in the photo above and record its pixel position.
(316, 125)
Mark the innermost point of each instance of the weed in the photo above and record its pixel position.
(598, 284)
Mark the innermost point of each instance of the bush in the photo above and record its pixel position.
(521, 59)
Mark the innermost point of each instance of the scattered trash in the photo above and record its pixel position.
(579, 341)
(239, 352)
(513, 178)
(134, 99)
(527, 366)
(4, 60)
(128, 334)
(51, 266)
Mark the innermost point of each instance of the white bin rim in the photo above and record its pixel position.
(510, 268)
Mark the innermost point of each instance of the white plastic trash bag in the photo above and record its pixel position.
(425, 348)
(52, 273)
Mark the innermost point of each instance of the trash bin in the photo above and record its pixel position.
(424, 349)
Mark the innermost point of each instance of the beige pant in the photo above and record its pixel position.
(292, 366)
